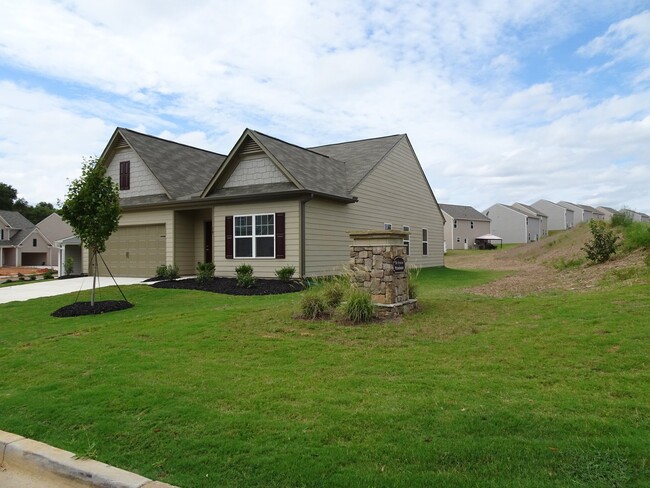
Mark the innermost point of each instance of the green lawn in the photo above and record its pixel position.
(204, 390)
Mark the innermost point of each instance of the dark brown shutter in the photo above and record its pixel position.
(279, 236)
(125, 175)
(229, 243)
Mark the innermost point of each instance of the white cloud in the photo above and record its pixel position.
(320, 72)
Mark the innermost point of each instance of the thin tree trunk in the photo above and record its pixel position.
(95, 271)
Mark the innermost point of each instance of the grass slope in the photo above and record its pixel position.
(205, 390)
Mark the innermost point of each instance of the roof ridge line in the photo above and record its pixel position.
(294, 145)
(170, 141)
(359, 140)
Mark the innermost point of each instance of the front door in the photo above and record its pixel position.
(207, 239)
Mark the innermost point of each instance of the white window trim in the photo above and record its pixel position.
(252, 236)
(425, 242)
(407, 239)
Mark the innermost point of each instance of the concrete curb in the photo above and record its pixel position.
(42, 460)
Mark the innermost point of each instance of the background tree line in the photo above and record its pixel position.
(34, 213)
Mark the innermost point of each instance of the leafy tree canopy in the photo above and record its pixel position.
(7, 196)
(9, 201)
(92, 206)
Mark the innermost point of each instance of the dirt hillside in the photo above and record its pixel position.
(554, 263)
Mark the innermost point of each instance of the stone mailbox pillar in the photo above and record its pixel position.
(378, 263)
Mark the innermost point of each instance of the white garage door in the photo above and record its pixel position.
(135, 251)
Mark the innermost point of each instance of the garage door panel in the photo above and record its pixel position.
(135, 251)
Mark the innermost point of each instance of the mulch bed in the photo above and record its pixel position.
(229, 286)
(85, 308)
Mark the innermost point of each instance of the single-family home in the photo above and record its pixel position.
(25, 244)
(559, 217)
(512, 225)
(463, 224)
(607, 212)
(14, 228)
(636, 216)
(531, 211)
(581, 213)
(267, 203)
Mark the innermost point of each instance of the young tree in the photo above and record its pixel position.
(92, 208)
(602, 244)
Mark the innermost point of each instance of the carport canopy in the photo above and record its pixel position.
(489, 238)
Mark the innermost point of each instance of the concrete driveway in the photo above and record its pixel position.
(49, 288)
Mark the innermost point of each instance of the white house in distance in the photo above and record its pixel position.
(512, 225)
(533, 212)
(463, 225)
(559, 217)
(607, 212)
(581, 213)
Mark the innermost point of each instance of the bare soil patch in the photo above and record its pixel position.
(14, 271)
(537, 267)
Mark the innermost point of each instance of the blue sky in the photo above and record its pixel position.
(503, 101)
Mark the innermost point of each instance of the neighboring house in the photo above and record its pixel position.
(559, 217)
(531, 211)
(607, 212)
(581, 213)
(593, 213)
(25, 244)
(14, 228)
(512, 225)
(463, 225)
(268, 203)
(636, 216)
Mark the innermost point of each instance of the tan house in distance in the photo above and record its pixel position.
(267, 203)
(463, 225)
(25, 244)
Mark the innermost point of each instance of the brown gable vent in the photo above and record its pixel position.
(249, 146)
(120, 143)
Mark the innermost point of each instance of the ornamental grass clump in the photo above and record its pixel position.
(359, 307)
(245, 277)
(204, 272)
(312, 305)
(334, 292)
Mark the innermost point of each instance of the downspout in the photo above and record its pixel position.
(301, 263)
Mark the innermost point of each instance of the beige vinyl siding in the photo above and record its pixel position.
(142, 181)
(263, 267)
(396, 192)
(41, 254)
(184, 249)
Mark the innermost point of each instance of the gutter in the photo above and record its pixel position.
(302, 253)
(208, 202)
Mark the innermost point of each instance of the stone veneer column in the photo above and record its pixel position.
(372, 258)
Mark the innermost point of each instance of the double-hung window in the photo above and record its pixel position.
(425, 242)
(254, 236)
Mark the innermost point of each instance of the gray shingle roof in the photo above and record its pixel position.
(312, 170)
(531, 209)
(463, 212)
(182, 170)
(16, 220)
(359, 156)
